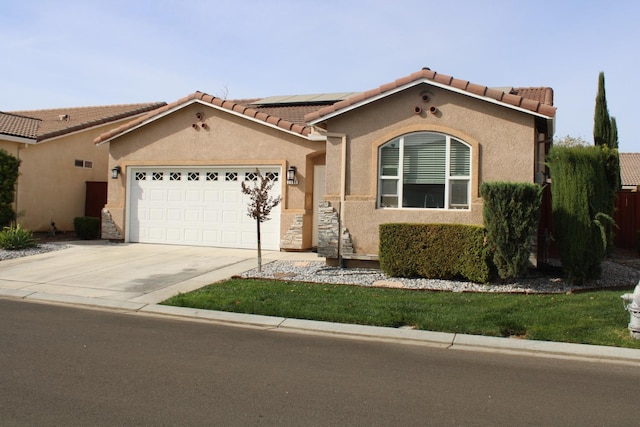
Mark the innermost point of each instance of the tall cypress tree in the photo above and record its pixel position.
(601, 120)
(605, 136)
(615, 161)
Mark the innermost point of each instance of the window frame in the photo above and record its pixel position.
(399, 177)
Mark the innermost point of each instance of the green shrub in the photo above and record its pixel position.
(437, 251)
(15, 237)
(9, 170)
(87, 227)
(580, 207)
(511, 214)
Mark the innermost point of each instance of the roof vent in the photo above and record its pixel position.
(63, 117)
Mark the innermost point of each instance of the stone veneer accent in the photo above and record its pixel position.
(328, 228)
(109, 229)
(293, 238)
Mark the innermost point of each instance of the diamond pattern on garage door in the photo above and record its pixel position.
(198, 206)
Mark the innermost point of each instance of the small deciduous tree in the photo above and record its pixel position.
(260, 205)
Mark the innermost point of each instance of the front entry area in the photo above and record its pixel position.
(199, 206)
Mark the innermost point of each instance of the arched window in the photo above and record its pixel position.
(425, 170)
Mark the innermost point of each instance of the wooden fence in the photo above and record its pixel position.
(627, 218)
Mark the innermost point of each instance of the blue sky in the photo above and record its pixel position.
(80, 53)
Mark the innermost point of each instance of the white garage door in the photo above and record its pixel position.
(198, 206)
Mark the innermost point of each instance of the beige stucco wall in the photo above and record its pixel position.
(503, 148)
(228, 140)
(50, 187)
(10, 146)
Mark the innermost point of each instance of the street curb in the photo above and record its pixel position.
(443, 340)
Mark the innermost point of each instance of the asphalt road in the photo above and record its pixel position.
(71, 366)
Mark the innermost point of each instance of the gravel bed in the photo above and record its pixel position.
(613, 276)
(40, 249)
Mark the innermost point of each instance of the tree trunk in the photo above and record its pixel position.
(259, 247)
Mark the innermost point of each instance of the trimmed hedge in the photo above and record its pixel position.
(87, 227)
(435, 251)
(511, 212)
(581, 203)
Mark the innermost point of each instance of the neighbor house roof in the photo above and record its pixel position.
(51, 123)
(17, 126)
(292, 123)
(534, 100)
(630, 169)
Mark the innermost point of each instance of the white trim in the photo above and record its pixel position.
(199, 101)
(19, 139)
(429, 82)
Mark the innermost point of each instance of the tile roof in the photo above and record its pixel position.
(60, 121)
(536, 100)
(630, 168)
(230, 105)
(19, 126)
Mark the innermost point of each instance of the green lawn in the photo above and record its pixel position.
(596, 317)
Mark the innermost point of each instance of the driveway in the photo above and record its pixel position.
(128, 273)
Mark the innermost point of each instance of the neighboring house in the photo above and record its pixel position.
(62, 173)
(630, 171)
(413, 150)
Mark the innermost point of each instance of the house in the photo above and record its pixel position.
(413, 150)
(62, 174)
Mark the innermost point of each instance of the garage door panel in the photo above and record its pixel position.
(230, 196)
(154, 233)
(192, 215)
(172, 215)
(210, 237)
(193, 235)
(211, 196)
(155, 214)
(155, 195)
(174, 234)
(211, 215)
(175, 195)
(229, 237)
(193, 196)
(230, 217)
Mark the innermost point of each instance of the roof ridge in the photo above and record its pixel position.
(86, 107)
(19, 115)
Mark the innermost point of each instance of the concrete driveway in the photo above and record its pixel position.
(128, 273)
